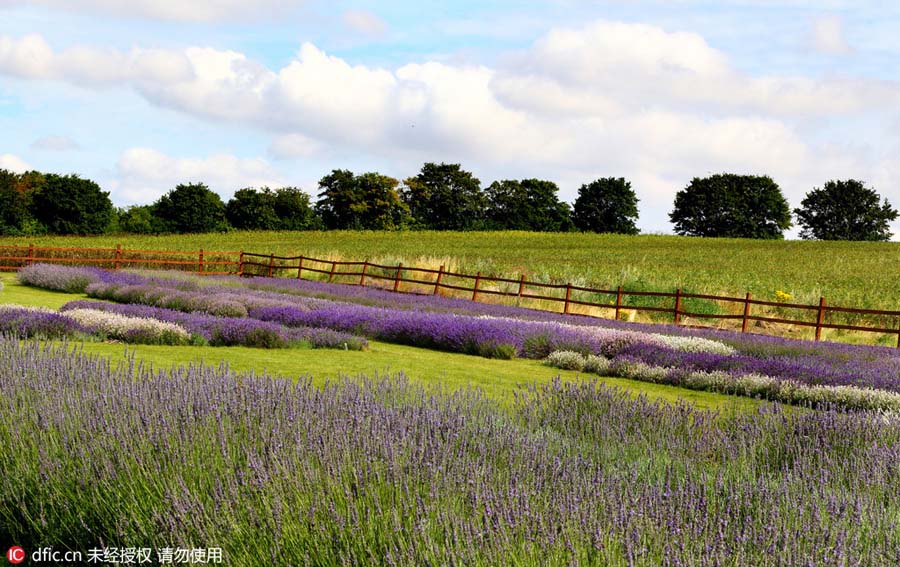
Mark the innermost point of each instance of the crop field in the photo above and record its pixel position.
(298, 422)
(854, 274)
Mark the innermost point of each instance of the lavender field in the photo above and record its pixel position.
(273, 313)
(380, 472)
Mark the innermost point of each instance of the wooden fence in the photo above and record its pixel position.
(209, 263)
(425, 280)
(411, 279)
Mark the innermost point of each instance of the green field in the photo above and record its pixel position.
(855, 274)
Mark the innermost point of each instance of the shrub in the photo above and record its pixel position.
(58, 278)
(596, 364)
(565, 359)
(37, 322)
(137, 330)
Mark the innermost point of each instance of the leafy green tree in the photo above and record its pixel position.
(294, 211)
(361, 202)
(445, 197)
(137, 219)
(286, 208)
(845, 210)
(190, 208)
(529, 204)
(68, 204)
(251, 209)
(731, 206)
(608, 204)
(13, 204)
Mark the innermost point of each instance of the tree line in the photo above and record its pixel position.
(445, 197)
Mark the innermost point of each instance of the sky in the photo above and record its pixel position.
(146, 94)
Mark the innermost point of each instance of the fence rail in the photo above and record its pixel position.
(430, 281)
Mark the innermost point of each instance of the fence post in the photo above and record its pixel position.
(201, 261)
(437, 282)
(118, 256)
(300, 268)
(898, 334)
(30, 255)
(521, 285)
(475, 291)
(271, 264)
(746, 320)
(820, 319)
(362, 278)
(618, 301)
(678, 306)
(397, 277)
(568, 297)
(331, 275)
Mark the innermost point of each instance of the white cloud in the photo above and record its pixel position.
(364, 22)
(55, 144)
(14, 163)
(606, 98)
(175, 10)
(144, 174)
(642, 66)
(828, 36)
(31, 57)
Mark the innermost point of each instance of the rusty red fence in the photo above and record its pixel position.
(209, 263)
(427, 280)
(412, 279)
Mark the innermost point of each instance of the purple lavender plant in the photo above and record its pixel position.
(34, 322)
(381, 472)
(231, 331)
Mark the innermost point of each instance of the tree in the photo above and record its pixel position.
(606, 205)
(361, 202)
(251, 209)
(286, 208)
(529, 204)
(68, 204)
(845, 210)
(190, 208)
(733, 206)
(445, 197)
(137, 219)
(13, 204)
(294, 211)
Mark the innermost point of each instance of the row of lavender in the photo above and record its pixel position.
(789, 371)
(384, 473)
(207, 320)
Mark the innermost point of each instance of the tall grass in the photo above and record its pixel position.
(862, 274)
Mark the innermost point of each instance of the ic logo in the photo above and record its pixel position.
(15, 554)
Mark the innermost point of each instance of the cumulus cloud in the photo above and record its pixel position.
(55, 144)
(144, 174)
(14, 163)
(364, 22)
(31, 57)
(175, 10)
(828, 36)
(604, 98)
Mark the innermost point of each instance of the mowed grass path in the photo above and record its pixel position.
(855, 274)
(499, 379)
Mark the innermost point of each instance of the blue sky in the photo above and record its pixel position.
(145, 94)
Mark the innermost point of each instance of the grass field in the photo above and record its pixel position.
(856, 274)
(499, 379)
